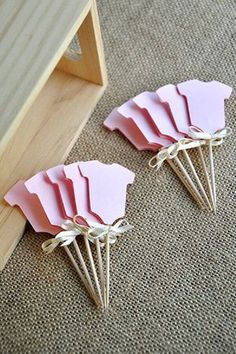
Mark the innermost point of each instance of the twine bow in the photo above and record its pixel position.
(172, 151)
(71, 231)
(93, 231)
(100, 231)
(216, 139)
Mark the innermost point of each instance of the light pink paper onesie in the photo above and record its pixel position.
(107, 188)
(206, 103)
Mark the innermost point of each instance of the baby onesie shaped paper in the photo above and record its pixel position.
(40, 185)
(31, 207)
(81, 193)
(65, 189)
(107, 186)
(205, 103)
(159, 114)
(107, 189)
(178, 106)
(206, 110)
(144, 122)
(115, 121)
(179, 110)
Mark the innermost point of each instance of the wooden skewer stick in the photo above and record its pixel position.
(107, 270)
(213, 184)
(100, 267)
(188, 178)
(186, 175)
(85, 269)
(89, 252)
(207, 178)
(185, 183)
(82, 278)
(199, 183)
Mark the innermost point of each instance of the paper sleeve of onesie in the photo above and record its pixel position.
(206, 103)
(131, 131)
(178, 106)
(64, 187)
(158, 114)
(139, 116)
(72, 172)
(107, 188)
(40, 185)
(31, 207)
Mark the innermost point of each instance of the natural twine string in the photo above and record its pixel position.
(216, 139)
(197, 138)
(93, 231)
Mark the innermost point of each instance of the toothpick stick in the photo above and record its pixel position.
(186, 175)
(185, 183)
(93, 269)
(213, 184)
(84, 267)
(82, 278)
(100, 267)
(203, 163)
(107, 270)
(199, 183)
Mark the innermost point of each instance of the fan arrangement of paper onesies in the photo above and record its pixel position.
(176, 119)
(84, 200)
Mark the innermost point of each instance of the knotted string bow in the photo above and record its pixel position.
(93, 231)
(216, 139)
(198, 138)
(71, 231)
(172, 151)
(100, 231)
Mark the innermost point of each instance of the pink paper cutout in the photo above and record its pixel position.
(143, 121)
(178, 106)
(40, 185)
(159, 114)
(81, 195)
(107, 188)
(65, 189)
(115, 121)
(31, 208)
(206, 103)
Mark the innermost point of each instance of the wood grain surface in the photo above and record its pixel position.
(42, 110)
(33, 37)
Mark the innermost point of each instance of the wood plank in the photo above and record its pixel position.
(43, 139)
(33, 37)
(91, 65)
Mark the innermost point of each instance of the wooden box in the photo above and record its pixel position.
(46, 98)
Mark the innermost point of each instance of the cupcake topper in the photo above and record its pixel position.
(205, 101)
(179, 111)
(169, 95)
